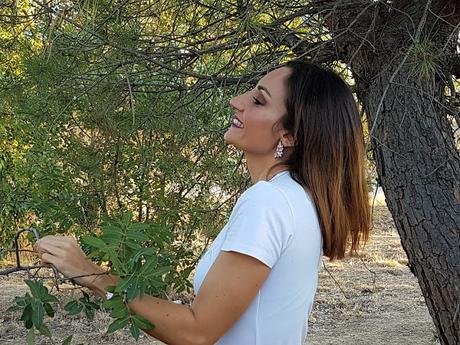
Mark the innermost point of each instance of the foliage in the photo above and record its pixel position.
(35, 306)
(424, 60)
(97, 129)
(139, 254)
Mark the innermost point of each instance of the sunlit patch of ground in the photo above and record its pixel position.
(371, 299)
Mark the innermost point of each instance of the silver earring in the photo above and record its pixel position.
(279, 150)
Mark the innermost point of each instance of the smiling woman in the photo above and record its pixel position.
(301, 135)
(257, 110)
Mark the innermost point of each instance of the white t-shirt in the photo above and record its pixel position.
(275, 222)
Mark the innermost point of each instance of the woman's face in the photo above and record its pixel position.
(258, 110)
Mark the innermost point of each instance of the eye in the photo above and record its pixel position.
(256, 101)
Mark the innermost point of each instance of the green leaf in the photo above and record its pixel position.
(142, 322)
(67, 340)
(31, 337)
(36, 288)
(118, 324)
(145, 252)
(73, 307)
(116, 263)
(37, 314)
(92, 305)
(120, 312)
(125, 284)
(114, 302)
(137, 236)
(27, 314)
(20, 301)
(155, 273)
(49, 298)
(139, 226)
(135, 332)
(131, 244)
(13, 308)
(132, 292)
(70, 305)
(127, 218)
(111, 234)
(110, 288)
(45, 331)
(28, 323)
(149, 265)
(48, 309)
(89, 312)
(94, 241)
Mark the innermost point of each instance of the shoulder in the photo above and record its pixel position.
(264, 194)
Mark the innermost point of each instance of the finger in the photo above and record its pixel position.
(51, 248)
(48, 259)
(39, 243)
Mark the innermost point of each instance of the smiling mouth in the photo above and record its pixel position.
(237, 123)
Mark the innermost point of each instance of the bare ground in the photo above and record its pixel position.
(371, 299)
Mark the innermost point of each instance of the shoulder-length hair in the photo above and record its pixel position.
(328, 157)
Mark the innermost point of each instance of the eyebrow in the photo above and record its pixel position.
(260, 87)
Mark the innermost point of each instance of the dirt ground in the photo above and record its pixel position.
(371, 299)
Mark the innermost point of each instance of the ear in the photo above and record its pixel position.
(287, 139)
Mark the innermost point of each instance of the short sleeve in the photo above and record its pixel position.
(260, 224)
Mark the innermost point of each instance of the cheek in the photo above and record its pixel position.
(260, 125)
(260, 133)
(260, 129)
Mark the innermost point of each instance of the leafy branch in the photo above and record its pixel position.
(137, 253)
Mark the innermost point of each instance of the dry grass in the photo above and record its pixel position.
(371, 299)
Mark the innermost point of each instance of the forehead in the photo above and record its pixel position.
(275, 82)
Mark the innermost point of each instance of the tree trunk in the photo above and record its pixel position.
(417, 160)
(419, 170)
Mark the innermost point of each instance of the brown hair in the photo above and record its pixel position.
(328, 157)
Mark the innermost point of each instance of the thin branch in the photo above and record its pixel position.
(19, 269)
(335, 280)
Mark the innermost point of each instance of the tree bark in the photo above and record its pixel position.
(418, 163)
(419, 169)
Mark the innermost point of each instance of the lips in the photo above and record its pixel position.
(236, 122)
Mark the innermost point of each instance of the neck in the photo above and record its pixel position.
(259, 166)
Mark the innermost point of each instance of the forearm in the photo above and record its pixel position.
(174, 323)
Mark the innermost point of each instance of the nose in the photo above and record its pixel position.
(236, 103)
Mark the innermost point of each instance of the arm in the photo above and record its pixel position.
(229, 287)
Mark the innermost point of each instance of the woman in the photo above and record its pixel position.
(301, 134)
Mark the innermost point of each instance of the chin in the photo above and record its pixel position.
(228, 141)
(227, 138)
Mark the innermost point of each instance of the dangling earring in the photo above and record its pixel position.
(279, 150)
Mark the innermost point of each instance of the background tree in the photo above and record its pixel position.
(403, 57)
(121, 105)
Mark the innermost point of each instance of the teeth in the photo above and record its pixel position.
(237, 122)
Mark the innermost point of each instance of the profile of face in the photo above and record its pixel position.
(256, 111)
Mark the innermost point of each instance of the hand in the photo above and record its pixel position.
(66, 255)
